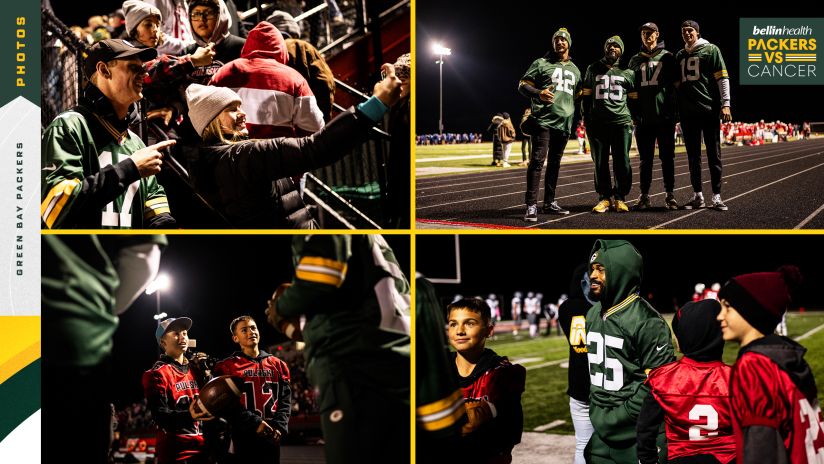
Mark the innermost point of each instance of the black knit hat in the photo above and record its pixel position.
(698, 333)
(762, 298)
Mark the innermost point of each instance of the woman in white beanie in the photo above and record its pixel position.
(249, 180)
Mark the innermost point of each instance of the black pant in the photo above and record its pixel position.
(693, 126)
(526, 146)
(545, 141)
(646, 135)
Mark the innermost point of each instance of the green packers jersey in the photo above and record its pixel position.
(606, 90)
(655, 75)
(626, 338)
(565, 79)
(439, 400)
(354, 295)
(701, 69)
(79, 192)
(78, 288)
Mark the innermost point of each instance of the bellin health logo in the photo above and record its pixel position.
(780, 51)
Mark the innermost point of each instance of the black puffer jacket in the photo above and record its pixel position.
(238, 178)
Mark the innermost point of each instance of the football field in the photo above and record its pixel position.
(773, 186)
(545, 403)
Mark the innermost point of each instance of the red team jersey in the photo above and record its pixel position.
(765, 395)
(695, 398)
(266, 392)
(170, 388)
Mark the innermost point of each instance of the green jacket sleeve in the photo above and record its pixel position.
(321, 266)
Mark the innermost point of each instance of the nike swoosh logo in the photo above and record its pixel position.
(51, 167)
(659, 348)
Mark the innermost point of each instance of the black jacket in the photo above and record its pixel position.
(238, 178)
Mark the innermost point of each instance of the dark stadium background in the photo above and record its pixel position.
(673, 264)
(214, 279)
(493, 44)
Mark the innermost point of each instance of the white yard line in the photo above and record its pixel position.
(551, 425)
(809, 333)
(809, 218)
(748, 192)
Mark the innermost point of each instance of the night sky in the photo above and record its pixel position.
(673, 264)
(214, 280)
(494, 44)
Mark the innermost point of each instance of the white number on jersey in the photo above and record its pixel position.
(110, 217)
(609, 88)
(394, 305)
(655, 67)
(710, 425)
(689, 69)
(811, 415)
(599, 357)
(564, 80)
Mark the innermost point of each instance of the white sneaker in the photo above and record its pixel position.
(717, 204)
(696, 202)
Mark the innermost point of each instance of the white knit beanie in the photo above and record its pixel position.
(136, 11)
(206, 102)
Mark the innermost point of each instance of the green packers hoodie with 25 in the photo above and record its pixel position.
(626, 338)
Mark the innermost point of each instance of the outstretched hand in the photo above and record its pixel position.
(388, 90)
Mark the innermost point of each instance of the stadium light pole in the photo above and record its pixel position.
(161, 283)
(441, 51)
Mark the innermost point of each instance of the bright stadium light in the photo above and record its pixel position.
(441, 51)
(161, 283)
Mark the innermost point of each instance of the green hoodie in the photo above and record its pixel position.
(626, 338)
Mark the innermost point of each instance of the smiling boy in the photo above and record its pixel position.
(492, 386)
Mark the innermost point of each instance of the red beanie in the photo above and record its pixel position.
(762, 298)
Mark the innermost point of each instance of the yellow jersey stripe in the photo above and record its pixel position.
(154, 201)
(721, 74)
(440, 405)
(586, 91)
(152, 212)
(56, 200)
(325, 262)
(445, 422)
(621, 305)
(319, 277)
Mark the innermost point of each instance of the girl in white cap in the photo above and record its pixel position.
(248, 180)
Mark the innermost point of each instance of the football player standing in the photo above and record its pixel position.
(656, 73)
(703, 95)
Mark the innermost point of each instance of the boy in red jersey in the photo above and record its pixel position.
(491, 385)
(773, 395)
(267, 395)
(690, 395)
(170, 390)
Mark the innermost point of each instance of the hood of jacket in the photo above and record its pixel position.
(265, 41)
(658, 48)
(698, 44)
(789, 356)
(224, 22)
(623, 267)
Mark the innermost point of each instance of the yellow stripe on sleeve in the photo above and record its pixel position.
(56, 199)
(319, 277)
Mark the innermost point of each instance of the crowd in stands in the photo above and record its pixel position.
(280, 84)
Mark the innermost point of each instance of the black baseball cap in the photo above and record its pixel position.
(652, 26)
(692, 24)
(112, 49)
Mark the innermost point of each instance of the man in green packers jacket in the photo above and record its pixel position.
(626, 338)
(703, 99)
(96, 172)
(655, 74)
(357, 306)
(609, 125)
(552, 83)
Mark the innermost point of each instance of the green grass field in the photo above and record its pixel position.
(545, 400)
